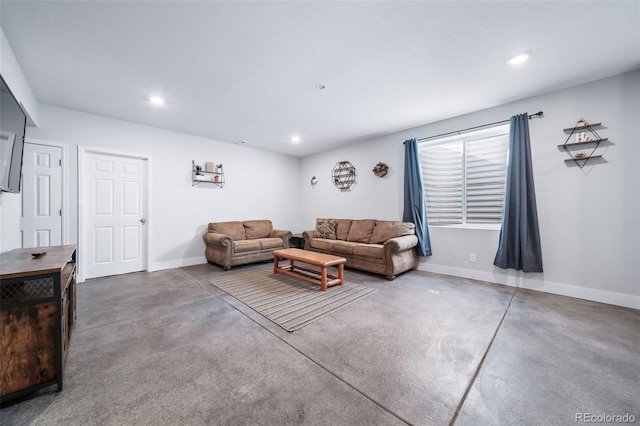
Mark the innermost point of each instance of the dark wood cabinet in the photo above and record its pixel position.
(37, 316)
(296, 241)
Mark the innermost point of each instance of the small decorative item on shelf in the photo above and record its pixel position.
(380, 169)
(582, 137)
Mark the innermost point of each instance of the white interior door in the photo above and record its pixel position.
(114, 216)
(41, 221)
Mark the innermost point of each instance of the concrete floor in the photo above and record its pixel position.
(167, 348)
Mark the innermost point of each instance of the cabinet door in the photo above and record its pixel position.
(29, 346)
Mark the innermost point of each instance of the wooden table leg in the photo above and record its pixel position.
(323, 278)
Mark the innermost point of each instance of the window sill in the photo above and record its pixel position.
(482, 226)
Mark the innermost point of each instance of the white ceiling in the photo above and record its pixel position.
(248, 71)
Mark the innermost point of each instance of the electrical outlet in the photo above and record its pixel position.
(472, 257)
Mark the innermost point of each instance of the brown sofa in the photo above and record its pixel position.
(240, 242)
(380, 246)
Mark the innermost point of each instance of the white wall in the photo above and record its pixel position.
(11, 204)
(589, 218)
(13, 76)
(371, 197)
(10, 211)
(259, 184)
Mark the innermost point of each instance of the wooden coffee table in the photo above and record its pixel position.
(310, 258)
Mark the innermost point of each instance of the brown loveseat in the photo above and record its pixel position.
(380, 246)
(240, 242)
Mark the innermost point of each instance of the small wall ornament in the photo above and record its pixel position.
(380, 169)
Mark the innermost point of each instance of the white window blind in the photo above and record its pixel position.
(486, 166)
(442, 177)
(464, 177)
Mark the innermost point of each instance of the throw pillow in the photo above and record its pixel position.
(325, 228)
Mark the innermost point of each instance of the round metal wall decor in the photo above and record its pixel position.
(344, 175)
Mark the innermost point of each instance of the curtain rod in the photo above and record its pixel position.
(537, 114)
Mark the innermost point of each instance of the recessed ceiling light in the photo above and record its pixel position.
(295, 138)
(518, 59)
(156, 100)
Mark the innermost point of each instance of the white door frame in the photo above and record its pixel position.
(82, 188)
(65, 183)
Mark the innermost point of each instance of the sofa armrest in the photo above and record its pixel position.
(279, 233)
(218, 249)
(216, 239)
(308, 236)
(398, 244)
(284, 234)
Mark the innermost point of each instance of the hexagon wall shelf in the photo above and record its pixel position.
(344, 175)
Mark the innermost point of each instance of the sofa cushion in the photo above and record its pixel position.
(373, 251)
(386, 229)
(361, 230)
(271, 243)
(321, 244)
(325, 228)
(234, 229)
(257, 229)
(342, 231)
(244, 246)
(339, 247)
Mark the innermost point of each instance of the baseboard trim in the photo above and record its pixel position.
(602, 296)
(158, 266)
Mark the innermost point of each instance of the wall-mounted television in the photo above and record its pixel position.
(12, 127)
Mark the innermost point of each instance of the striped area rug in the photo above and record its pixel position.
(287, 301)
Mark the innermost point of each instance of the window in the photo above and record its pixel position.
(463, 177)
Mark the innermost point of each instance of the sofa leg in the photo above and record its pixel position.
(391, 277)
